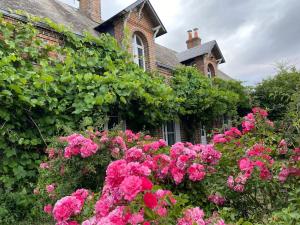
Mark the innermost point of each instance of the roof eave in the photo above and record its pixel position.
(221, 54)
(108, 22)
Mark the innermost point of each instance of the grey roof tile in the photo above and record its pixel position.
(55, 10)
(166, 57)
(203, 49)
(223, 76)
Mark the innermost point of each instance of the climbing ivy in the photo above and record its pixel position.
(48, 89)
(204, 99)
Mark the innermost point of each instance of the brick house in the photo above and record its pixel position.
(144, 26)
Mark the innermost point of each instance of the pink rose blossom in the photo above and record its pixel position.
(230, 182)
(196, 172)
(48, 209)
(66, 207)
(219, 138)
(44, 166)
(131, 187)
(50, 188)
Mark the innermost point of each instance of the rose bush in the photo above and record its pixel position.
(242, 175)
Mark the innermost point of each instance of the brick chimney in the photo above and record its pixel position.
(193, 40)
(91, 8)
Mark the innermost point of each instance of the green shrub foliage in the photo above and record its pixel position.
(276, 93)
(46, 87)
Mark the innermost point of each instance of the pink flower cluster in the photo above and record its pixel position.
(124, 182)
(249, 123)
(128, 179)
(257, 157)
(192, 216)
(69, 206)
(195, 216)
(216, 199)
(292, 169)
(227, 136)
(154, 146)
(250, 120)
(259, 111)
(78, 144)
(184, 159)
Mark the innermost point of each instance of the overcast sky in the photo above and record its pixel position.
(253, 35)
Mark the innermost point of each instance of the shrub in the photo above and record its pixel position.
(243, 175)
(48, 89)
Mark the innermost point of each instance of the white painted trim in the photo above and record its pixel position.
(135, 48)
(177, 131)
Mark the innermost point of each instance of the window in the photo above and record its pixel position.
(210, 71)
(138, 51)
(171, 132)
(203, 134)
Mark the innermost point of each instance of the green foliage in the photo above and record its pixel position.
(291, 122)
(276, 93)
(49, 89)
(201, 99)
(46, 87)
(243, 104)
(289, 215)
(204, 100)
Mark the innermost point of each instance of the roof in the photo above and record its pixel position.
(223, 75)
(147, 5)
(202, 49)
(166, 57)
(55, 10)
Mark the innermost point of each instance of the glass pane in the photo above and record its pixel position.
(139, 41)
(170, 127)
(141, 63)
(171, 139)
(141, 57)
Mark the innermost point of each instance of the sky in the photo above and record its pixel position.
(253, 35)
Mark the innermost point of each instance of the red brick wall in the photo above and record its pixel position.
(91, 9)
(143, 27)
(167, 73)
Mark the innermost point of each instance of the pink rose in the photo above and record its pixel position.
(48, 209)
(50, 188)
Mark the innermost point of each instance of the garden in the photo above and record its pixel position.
(59, 166)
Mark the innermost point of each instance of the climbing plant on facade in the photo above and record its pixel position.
(46, 88)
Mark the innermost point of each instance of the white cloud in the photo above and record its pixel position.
(253, 35)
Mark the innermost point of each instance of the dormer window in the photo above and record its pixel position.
(138, 51)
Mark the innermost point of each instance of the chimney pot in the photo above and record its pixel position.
(193, 40)
(196, 32)
(190, 34)
(91, 8)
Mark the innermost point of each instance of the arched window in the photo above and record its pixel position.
(138, 51)
(210, 71)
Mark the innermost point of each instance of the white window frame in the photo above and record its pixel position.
(135, 48)
(209, 72)
(176, 132)
(203, 135)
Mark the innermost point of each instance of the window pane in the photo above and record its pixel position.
(141, 57)
(139, 41)
(170, 127)
(141, 63)
(171, 139)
